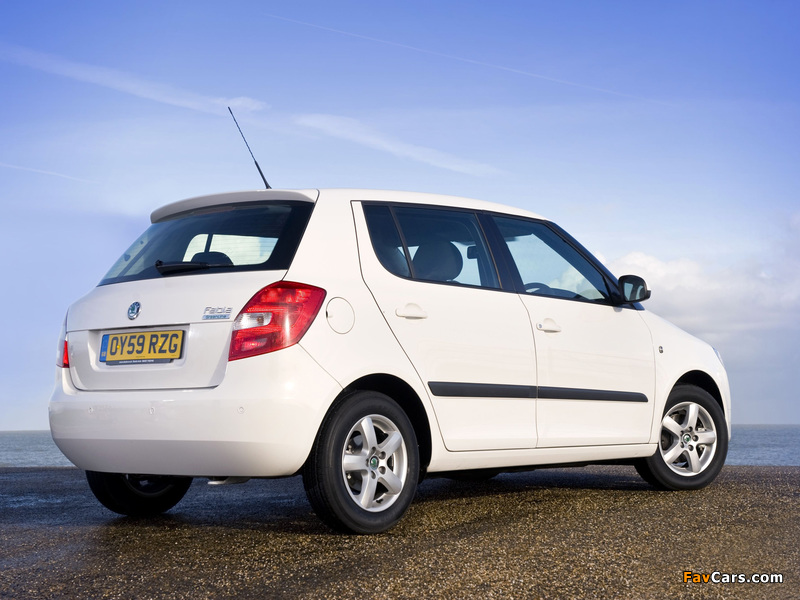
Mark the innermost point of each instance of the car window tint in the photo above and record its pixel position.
(548, 265)
(261, 236)
(385, 239)
(446, 246)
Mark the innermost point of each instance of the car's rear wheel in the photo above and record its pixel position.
(362, 473)
(692, 445)
(137, 495)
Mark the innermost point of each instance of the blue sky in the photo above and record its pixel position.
(664, 136)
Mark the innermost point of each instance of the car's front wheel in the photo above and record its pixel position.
(363, 470)
(692, 444)
(137, 495)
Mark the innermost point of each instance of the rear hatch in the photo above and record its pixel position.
(179, 339)
(162, 317)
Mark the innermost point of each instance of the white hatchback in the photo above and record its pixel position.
(365, 339)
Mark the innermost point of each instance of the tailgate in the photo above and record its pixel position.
(178, 340)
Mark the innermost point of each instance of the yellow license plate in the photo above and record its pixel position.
(141, 347)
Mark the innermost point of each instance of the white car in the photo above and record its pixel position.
(365, 339)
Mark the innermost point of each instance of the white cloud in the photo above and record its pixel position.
(353, 130)
(794, 222)
(470, 61)
(242, 103)
(721, 304)
(340, 127)
(43, 172)
(122, 82)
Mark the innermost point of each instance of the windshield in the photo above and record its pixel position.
(246, 237)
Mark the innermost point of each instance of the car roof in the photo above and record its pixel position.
(334, 195)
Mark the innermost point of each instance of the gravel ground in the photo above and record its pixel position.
(594, 532)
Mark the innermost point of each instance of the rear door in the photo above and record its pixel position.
(595, 358)
(434, 278)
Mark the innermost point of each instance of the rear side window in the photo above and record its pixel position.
(247, 237)
(431, 244)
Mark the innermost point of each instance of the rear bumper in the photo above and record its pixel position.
(261, 421)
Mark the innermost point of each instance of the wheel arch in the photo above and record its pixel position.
(402, 393)
(705, 382)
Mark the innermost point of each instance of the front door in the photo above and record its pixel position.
(595, 359)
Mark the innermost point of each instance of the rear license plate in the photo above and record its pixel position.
(141, 348)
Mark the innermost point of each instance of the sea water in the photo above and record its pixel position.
(750, 445)
(30, 449)
(764, 445)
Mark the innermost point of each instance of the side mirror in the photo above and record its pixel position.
(633, 288)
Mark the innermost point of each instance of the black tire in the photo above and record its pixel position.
(358, 487)
(137, 495)
(692, 445)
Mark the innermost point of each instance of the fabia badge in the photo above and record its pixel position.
(133, 310)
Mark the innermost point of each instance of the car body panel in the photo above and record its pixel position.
(203, 306)
(678, 354)
(599, 351)
(257, 423)
(182, 206)
(203, 415)
(364, 346)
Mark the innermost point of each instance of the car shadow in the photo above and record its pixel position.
(280, 506)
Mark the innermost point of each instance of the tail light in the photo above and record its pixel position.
(62, 353)
(275, 318)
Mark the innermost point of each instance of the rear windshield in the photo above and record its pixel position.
(247, 237)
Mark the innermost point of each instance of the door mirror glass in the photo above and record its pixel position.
(633, 288)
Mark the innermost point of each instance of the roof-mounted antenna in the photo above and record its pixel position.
(260, 172)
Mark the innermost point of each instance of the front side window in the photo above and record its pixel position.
(431, 244)
(548, 265)
(246, 237)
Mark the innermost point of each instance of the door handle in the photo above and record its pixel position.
(548, 326)
(411, 311)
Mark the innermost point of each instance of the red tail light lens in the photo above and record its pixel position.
(275, 318)
(62, 360)
(62, 353)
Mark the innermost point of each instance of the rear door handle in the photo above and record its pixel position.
(411, 311)
(548, 326)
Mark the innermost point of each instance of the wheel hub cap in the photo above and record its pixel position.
(688, 439)
(374, 463)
